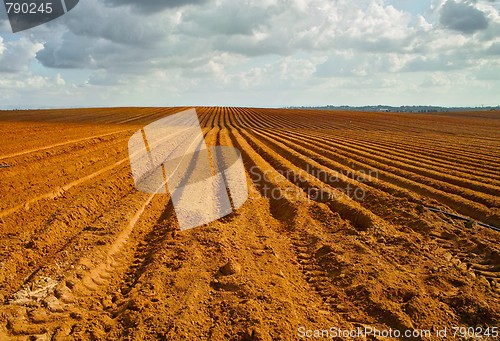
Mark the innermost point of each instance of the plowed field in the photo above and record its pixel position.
(341, 228)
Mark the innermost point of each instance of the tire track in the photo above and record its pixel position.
(309, 254)
(98, 268)
(411, 219)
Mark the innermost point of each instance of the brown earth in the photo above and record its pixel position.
(336, 231)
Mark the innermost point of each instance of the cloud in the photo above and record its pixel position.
(59, 80)
(104, 37)
(69, 53)
(118, 25)
(233, 19)
(16, 56)
(494, 49)
(154, 6)
(435, 63)
(463, 17)
(171, 50)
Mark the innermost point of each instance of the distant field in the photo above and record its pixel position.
(337, 231)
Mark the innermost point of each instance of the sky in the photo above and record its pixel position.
(258, 53)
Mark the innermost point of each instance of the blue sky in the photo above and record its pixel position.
(256, 53)
(411, 6)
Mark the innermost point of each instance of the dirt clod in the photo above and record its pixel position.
(230, 268)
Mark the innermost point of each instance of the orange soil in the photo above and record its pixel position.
(86, 256)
